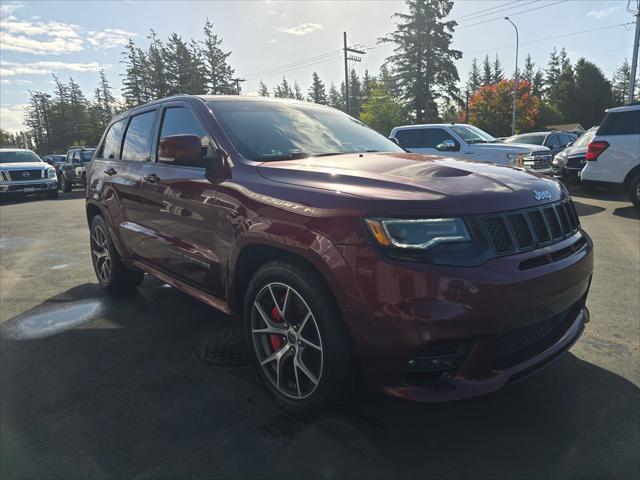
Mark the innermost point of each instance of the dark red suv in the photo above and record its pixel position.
(344, 256)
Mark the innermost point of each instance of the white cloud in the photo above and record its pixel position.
(301, 29)
(603, 13)
(7, 9)
(10, 69)
(273, 40)
(15, 81)
(12, 117)
(109, 38)
(40, 38)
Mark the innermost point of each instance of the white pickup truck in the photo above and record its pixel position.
(469, 142)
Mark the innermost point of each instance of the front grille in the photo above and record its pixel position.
(19, 188)
(525, 229)
(18, 175)
(522, 343)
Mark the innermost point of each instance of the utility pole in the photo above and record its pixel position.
(515, 80)
(237, 80)
(634, 59)
(348, 50)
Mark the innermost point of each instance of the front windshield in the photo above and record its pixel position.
(265, 131)
(529, 139)
(18, 156)
(584, 139)
(86, 155)
(471, 134)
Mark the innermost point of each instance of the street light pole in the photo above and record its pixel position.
(515, 83)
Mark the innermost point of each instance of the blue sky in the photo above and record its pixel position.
(77, 38)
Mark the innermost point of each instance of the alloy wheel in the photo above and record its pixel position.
(287, 340)
(100, 253)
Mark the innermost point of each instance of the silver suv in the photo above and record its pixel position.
(22, 172)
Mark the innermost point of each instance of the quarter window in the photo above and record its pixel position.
(409, 138)
(110, 149)
(137, 141)
(182, 121)
(620, 123)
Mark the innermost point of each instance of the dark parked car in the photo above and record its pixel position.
(344, 256)
(73, 171)
(569, 162)
(555, 141)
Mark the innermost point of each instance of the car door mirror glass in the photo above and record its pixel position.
(181, 150)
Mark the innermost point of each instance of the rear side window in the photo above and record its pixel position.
(137, 140)
(409, 138)
(620, 123)
(110, 149)
(182, 121)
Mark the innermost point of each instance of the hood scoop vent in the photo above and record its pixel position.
(421, 170)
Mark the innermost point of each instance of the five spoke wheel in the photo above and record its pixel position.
(287, 340)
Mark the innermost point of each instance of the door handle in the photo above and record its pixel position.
(152, 178)
(110, 171)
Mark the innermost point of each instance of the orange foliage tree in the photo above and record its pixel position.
(490, 108)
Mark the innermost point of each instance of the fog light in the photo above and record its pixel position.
(436, 362)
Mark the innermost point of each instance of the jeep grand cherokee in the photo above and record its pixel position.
(344, 256)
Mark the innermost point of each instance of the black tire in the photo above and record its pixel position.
(634, 191)
(325, 328)
(118, 278)
(65, 185)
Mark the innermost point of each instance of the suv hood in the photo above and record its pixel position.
(406, 184)
(571, 151)
(24, 166)
(511, 147)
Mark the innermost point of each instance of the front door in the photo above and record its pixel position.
(179, 200)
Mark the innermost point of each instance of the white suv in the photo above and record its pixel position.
(613, 156)
(469, 142)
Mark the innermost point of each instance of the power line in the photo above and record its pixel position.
(476, 15)
(513, 14)
(297, 62)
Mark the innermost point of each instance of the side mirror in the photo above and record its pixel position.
(394, 140)
(569, 144)
(447, 146)
(181, 150)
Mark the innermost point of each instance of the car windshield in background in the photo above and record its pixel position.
(265, 131)
(529, 139)
(471, 134)
(86, 155)
(18, 157)
(584, 140)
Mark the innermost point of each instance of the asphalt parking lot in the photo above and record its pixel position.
(92, 387)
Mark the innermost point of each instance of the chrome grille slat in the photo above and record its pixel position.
(525, 229)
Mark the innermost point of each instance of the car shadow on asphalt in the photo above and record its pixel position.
(15, 200)
(92, 386)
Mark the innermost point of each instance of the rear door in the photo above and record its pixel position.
(179, 199)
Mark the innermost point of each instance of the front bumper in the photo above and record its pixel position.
(42, 185)
(407, 306)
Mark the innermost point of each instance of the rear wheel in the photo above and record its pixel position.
(298, 341)
(111, 272)
(65, 185)
(634, 191)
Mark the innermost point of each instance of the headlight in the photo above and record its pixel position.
(51, 173)
(419, 233)
(512, 156)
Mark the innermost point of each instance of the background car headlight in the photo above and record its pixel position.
(51, 173)
(512, 157)
(417, 233)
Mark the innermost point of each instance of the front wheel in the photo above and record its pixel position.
(634, 191)
(112, 273)
(65, 184)
(298, 341)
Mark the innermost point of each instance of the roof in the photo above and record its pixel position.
(566, 127)
(625, 108)
(424, 125)
(10, 149)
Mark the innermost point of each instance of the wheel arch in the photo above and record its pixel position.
(633, 173)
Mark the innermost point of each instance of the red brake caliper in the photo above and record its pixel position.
(276, 340)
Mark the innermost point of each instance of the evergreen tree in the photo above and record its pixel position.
(263, 90)
(284, 90)
(334, 99)
(133, 88)
(620, 83)
(297, 93)
(367, 84)
(561, 93)
(105, 98)
(355, 93)
(196, 84)
(77, 121)
(423, 58)
(389, 81)
(156, 74)
(474, 79)
(553, 70)
(487, 75)
(317, 93)
(497, 74)
(594, 93)
(529, 69)
(178, 64)
(218, 72)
